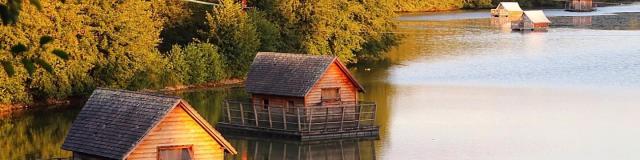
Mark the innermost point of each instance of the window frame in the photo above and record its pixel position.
(337, 99)
(189, 147)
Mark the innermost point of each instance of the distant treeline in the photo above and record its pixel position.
(444, 5)
(58, 49)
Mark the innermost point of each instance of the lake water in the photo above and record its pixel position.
(460, 86)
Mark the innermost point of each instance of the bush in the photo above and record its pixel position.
(195, 63)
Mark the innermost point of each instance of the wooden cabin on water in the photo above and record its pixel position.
(580, 5)
(119, 125)
(508, 9)
(303, 96)
(532, 20)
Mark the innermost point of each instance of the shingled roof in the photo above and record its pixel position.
(113, 122)
(287, 74)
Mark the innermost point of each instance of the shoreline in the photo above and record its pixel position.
(6, 109)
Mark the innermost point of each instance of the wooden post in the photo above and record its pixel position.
(326, 119)
(284, 155)
(255, 115)
(310, 119)
(298, 116)
(358, 111)
(284, 119)
(228, 111)
(270, 121)
(241, 113)
(375, 110)
(342, 118)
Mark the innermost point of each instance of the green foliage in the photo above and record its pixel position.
(184, 22)
(8, 68)
(329, 27)
(18, 49)
(29, 66)
(60, 53)
(268, 32)
(234, 34)
(152, 44)
(45, 40)
(84, 39)
(126, 39)
(10, 11)
(196, 63)
(46, 66)
(440, 5)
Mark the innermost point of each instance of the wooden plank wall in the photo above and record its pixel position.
(276, 100)
(178, 128)
(332, 78)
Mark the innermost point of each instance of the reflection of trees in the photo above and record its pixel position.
(281, 149)
(373, 76)
(438, 39)
(209, 102)
(620, 21)
(35, 134)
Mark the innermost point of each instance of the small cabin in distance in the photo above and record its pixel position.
(508, 9)
(119, 125)
(302, 96)
(297, 80)
(580, 5)
(532, 20)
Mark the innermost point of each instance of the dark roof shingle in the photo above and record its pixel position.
(285, 74)
(112, 122)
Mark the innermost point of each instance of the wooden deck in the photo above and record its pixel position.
(304, 123)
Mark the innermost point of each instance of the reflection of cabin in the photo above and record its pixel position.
(532, 20)
(301, 95)
(507, 9)
(337, 149)
(117, 124)
(580, 5)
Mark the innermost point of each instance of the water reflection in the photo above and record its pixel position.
(265, 148)
(36, 134)
(620, 21)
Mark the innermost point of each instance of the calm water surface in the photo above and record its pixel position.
(459, 86)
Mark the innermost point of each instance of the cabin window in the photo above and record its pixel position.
(265, 103)
(291, 107)
(182, 152)
(330, 94)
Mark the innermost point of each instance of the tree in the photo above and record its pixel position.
(234, 34)
(127, 34)
(26, 49)
(330, 27)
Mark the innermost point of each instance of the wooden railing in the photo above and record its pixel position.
(309, 119)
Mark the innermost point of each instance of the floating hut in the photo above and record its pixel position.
(580, 5)
(116, 124)
(532, 20)
(301, 96)
(507, 9)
